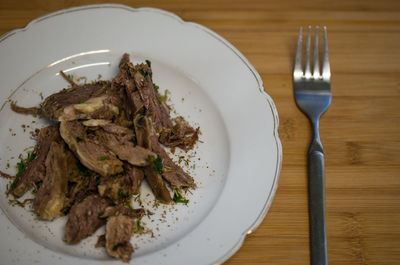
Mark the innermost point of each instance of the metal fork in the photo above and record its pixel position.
(312, 92)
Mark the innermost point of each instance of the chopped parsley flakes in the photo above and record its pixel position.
(21, 166)
(102, 158)
(148, 63)
(178, 198)
(123, 194)
(138, 225)
(143, 72)
(133, 140)
(157, 164)
(100, 215)
(120, 244)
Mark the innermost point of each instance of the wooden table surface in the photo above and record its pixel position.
(360, 131)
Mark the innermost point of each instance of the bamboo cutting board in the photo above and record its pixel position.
(360, 131)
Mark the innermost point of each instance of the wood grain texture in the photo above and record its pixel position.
(360, 131)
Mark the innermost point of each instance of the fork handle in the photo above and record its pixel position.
(316, 171)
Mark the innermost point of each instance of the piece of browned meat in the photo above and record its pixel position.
(143, 129)
(140, 91)
(36, 170)
(54, 105)
(101, 241)
(49, 199)
(121, 84)
(119, 188)
(118, 234)
(88, 101)
(22, 110)
(157, 185)
(84, 219)
(158, 111)
(125, 149)
(82, 182)
(123, 210)
(136, 177)
(120, 141)
(89, 150)
(171, 172)
(182, 135)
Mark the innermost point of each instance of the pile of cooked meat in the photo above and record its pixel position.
(108, 137)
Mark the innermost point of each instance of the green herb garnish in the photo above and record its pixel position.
(102, 158)
(82, 101)
(157, 164)
(81, 168)
(120, 244)
(14, 184)
(139, 226)
(148, 63)
(78, 139)
(21, 166)
(178, 198)
(156, 87)
(143, 72)
(123, 194)
(133, 140)
(100, 215)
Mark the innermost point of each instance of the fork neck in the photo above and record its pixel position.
(316, 145)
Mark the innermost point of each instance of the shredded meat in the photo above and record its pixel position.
(22, 110)
(50, 197)
(123, 210)
(121, 187)
(173, 173)
(101, 241)
(143, 130)
(54, 106)
(118, 234)
(80, 186)
(140, 90)
(109, 137)
(182, 135)
(125, 149)
(84, 219)
(157, 185)
(36, 170)
(89, 150)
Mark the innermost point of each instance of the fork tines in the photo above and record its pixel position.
(316, 74)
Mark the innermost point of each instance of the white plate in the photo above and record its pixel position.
(240, 157)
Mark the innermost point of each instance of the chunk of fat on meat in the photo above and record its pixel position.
(84, 109)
